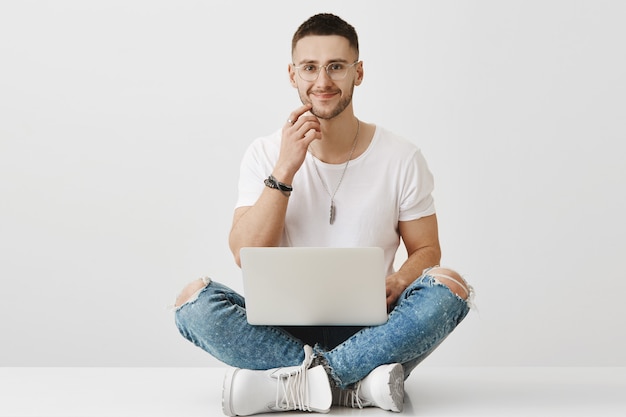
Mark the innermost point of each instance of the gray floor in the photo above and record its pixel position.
(189, 392)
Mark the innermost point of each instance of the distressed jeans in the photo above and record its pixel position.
(214, 319)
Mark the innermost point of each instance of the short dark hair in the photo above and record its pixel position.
(325, 24)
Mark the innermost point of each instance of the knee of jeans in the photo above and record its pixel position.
(451, 279)
(191, 291)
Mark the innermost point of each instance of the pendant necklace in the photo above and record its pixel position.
(345, 168)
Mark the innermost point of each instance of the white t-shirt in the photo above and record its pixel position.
(388, 183)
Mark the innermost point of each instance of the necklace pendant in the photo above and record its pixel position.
(332, 212)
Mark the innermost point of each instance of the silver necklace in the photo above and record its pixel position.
(345, 168)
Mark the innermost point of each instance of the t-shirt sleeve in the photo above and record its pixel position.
(417, 200)
(256, 165)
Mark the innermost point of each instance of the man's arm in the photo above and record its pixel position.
(421, 239)
(262, 224)
(259, 225)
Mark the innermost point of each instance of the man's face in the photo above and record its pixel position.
(328, 97)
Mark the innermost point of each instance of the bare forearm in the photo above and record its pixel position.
(410, 270)
(419, 260)
(421, 239)
(259, 225)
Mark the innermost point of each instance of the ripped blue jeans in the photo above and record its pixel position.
(214, 319)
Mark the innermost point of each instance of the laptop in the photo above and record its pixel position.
(310, 286)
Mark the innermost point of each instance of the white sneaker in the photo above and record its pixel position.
(248, 392)
(382, 388)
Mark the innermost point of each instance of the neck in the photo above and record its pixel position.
(338, 138)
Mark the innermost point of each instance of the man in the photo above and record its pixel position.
(328, 179)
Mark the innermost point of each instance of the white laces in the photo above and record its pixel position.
(294, 386)
(351, 398)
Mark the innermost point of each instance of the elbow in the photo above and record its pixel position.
(237, 258)
(430, 254)
(234, 249)
(437, 254)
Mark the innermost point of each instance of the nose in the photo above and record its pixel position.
(323, 78)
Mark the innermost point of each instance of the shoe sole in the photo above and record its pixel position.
(396, 387)
(227, 407)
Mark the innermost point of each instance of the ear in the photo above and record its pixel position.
(359, 73)
(292, 76)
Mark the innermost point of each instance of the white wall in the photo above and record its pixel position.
(122, 124)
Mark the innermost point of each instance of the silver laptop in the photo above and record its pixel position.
(314, 286)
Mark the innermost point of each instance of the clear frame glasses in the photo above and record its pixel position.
(336, 71)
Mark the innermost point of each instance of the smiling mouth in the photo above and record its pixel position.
(324, 94)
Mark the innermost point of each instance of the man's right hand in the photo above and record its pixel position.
(301, 129)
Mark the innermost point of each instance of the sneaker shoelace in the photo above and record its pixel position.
(351, 398)
(292, 392)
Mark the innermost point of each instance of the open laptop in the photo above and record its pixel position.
(292, 286)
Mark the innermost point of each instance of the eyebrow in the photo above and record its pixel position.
(313, 61)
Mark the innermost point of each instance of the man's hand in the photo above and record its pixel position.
(395, 286)
(300, 130)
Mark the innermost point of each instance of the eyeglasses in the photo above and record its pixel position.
(337, 71)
